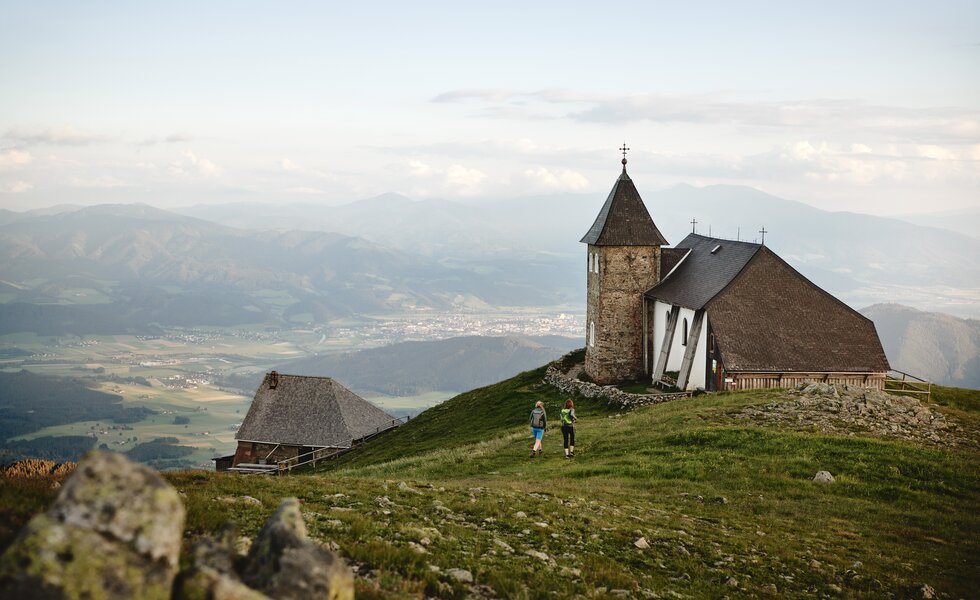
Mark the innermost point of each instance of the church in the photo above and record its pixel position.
(711, 313)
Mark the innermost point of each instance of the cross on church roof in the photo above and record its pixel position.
(763, 232)
(624, 150)
(694, 225)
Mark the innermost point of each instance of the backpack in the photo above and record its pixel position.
(537, 419)
(566, 416)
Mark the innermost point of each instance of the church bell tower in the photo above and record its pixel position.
(623, 262)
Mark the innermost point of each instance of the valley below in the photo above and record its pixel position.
(196, 384)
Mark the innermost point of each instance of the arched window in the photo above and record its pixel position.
(684, 337)
(592, 333)
(597, 262)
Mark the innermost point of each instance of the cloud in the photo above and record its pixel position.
(16, 187)
(454, 179)
(289, 166)
(174, 138)
(56, 136)
(553, 180)
(100, 182)
(15, 158)
(192, 165)
(938, 124)
(303, 190)
(490, 95)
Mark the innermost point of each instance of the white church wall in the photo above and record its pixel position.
(697, 378)
(661, 310)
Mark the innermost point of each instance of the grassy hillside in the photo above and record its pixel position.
(724, 508)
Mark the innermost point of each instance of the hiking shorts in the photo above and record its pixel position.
(538, 432)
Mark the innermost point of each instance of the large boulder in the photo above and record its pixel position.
(284, 563)
(212, 575)
(114, 531)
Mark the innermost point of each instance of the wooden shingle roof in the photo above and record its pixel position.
(624, 219)
(310, 411)
(770, 318)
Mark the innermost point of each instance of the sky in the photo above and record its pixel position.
(870, 107)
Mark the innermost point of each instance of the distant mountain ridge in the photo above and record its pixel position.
(127, 252)
(862, 258)
(934, 346)
(455, 364)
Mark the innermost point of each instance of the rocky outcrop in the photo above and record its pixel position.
(284, 563)
(851, 410)
(114, 531)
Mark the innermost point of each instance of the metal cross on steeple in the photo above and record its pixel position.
(694, 225)
(763, 232)
(624, 150)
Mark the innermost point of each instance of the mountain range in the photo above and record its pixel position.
(933, 346)
(455, 364)
(861, 258)
(134, 266)
(128, 255)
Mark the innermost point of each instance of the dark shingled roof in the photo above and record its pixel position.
(669, 257)
(701, 274)
(771, 318)
(624, 220)
(310, 411)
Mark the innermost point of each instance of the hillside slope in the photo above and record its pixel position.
(454, 364)
(675, 500)
(935, 346)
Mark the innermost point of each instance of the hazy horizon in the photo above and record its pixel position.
(830, 105)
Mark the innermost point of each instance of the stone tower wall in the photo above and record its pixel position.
(615, 306)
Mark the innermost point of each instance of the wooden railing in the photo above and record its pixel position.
(310, 458)
(900, 382)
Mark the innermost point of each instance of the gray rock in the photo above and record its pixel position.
(283, 563)
(460, 575)
(208, 583)
(213, 573)
(539, 555)
(404, 487)
(642, 543)
(114, 531)
(824, 477)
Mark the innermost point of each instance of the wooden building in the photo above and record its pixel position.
(296, 418)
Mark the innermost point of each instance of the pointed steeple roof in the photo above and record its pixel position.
(624, 220)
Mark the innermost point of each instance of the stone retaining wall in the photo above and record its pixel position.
(557, 375)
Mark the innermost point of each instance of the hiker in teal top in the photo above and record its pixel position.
(568, 427)
(538, 422)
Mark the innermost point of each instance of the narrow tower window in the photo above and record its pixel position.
(684, 337)
(592, 333)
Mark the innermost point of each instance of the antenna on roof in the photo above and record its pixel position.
(624, 150)
(709, 229)
(694, 225)
(763, 232)
(738, 234)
